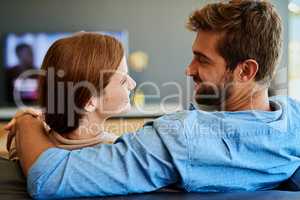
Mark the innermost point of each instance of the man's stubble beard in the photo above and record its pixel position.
(215, 95)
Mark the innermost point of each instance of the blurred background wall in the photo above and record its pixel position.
(155, 27)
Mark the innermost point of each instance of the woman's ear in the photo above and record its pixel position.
(91, 105)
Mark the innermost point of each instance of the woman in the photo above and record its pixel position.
(84, 80)
(126, 166)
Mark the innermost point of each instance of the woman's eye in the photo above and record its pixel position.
(123, 81)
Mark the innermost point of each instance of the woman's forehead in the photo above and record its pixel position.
(123, 68)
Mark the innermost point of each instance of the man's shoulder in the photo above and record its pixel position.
(284, 99)
(182, 116)
(288, 103)
(183, 120)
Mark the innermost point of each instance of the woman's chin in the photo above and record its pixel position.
(123, 110)
(126, 109)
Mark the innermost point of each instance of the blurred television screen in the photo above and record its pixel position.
(26, 51)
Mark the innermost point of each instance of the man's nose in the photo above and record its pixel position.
(189, 71)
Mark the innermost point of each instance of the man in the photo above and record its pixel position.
(25, 57)
(250, 144)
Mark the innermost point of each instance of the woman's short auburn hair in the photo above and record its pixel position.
(72, 66)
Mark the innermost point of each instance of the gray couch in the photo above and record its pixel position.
(13, 186)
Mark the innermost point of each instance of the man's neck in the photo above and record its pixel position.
(247, 100)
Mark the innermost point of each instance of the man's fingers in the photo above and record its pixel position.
(9, 141)
(10, 124)
(11, 135)
(31, 111)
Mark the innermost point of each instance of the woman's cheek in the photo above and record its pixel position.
(124, 101)
(117, 100)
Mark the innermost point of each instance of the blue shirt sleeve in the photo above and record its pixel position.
(137, 162)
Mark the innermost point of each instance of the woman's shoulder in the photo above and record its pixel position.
(108, 137)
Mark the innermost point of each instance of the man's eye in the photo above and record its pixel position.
(202, 61)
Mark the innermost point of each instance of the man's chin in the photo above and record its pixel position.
(208, 101)
(207, 97)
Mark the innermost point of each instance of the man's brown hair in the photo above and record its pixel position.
(250, 29)
(82, 58)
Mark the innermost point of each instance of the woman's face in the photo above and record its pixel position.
(115, 99)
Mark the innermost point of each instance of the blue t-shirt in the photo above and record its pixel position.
(195, 150)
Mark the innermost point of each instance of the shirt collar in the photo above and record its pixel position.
(264, 116)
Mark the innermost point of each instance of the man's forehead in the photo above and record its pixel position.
(206, 41)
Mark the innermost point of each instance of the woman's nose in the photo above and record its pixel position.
(132, 83)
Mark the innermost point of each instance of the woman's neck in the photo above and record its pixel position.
(90, 126)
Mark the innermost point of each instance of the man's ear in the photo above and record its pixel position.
(91, 105)
(246, 70)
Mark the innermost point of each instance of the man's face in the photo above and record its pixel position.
(26, 56)
(208, 70)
